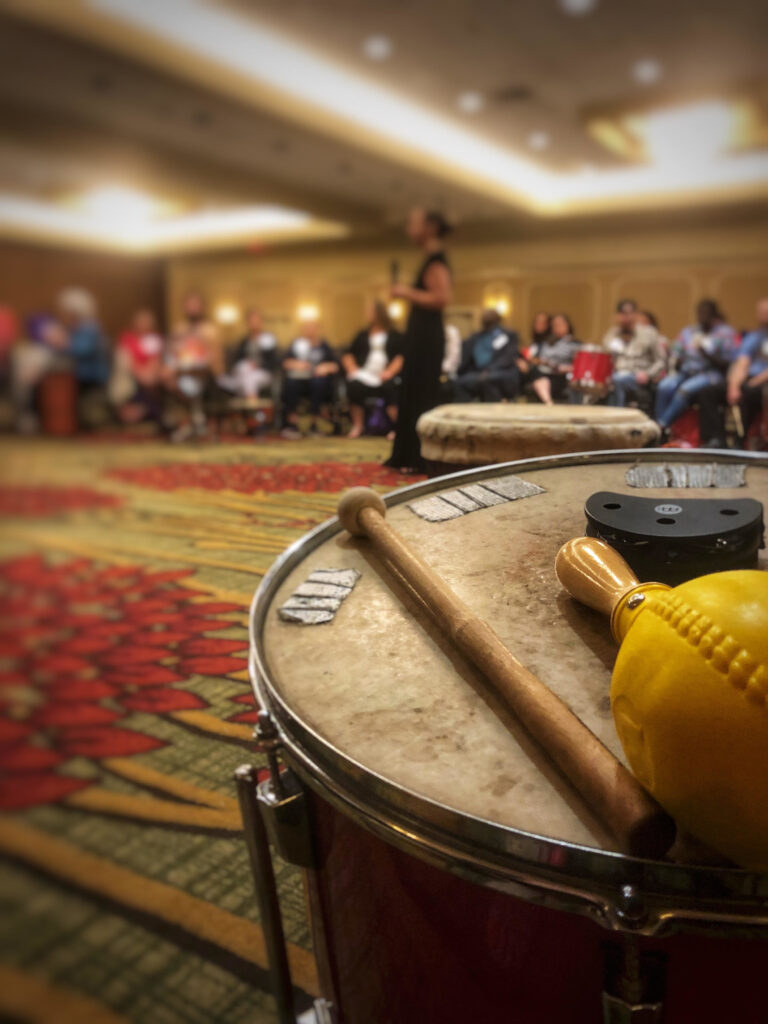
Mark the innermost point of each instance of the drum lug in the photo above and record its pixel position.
(634, 984)
(283, 801)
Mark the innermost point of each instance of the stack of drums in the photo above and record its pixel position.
(459, 877)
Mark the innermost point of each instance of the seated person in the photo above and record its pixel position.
(255, 360)
(638, 356)
(749, 374)
(42, 351)
(137, 380)
(698, 363)
(309, 366)
(193, 358)
(87, 345)
(372, 365)
(489, 359)
(551, 361)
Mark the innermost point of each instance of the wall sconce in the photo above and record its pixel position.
(307, 312)
(396, 309)
(498, 300)
(227, 313)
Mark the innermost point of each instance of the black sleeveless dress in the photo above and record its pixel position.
(423, 349)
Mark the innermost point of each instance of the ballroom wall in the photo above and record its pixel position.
(31, 276)
(666, 271)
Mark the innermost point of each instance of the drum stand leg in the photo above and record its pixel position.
(276, 809)
(266, 892)
(633, 988)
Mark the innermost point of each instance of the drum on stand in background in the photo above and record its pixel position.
(455, 875)
(592, 371)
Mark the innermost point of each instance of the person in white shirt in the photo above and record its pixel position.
(372, 365)
(255, 360)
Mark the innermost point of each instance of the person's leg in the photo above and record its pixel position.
(356, 393)
(711, 402)
(665, 392)
(751, 404)
(684, 397)
(501, 386)
(321, 396)
(543, 388)
(623, 385)
(293, 391)
(468, 387)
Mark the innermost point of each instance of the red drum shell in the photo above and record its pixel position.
(592, 370)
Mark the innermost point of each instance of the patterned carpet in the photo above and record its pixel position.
(126, 571)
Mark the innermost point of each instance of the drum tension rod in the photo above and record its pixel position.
(275, 812)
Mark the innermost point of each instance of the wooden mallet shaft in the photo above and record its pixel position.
(614, 795)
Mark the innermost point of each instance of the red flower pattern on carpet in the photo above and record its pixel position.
(82, 646)
(330, 477)
(30, 502)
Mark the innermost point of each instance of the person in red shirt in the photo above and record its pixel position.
(137, 384)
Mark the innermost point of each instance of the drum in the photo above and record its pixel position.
(481, 433)
(592, 370)
(457, 875)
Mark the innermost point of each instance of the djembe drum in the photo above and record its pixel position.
(455, 875)
(481, 433)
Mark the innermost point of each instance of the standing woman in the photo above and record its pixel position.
(424, 342)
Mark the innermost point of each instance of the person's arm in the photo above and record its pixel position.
(437, 294)
(659, 358)
(330, 363)
(354, 357)
(506, 358)
(737, 376)
(466, 363)
(394, 367)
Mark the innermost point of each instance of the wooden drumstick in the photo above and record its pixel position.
(615, 796)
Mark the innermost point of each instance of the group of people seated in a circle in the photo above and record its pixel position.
(709, 366)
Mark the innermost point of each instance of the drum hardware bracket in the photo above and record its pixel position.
(275, 810)
(634, 984)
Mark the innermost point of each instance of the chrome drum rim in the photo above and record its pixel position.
(617, 891)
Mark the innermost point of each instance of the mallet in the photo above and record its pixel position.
(618, 800)
(689, 691)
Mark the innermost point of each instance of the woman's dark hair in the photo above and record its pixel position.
(710, 307)
(651, 318)
(537, 336)
(563, 316)
(381, 316)
(441, 226)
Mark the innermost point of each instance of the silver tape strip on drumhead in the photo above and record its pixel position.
(460, 501)
(319, 598)
(687, 474)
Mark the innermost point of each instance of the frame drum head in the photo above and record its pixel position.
(377, 704)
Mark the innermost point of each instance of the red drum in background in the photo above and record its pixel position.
(57, 398)
(592, 370)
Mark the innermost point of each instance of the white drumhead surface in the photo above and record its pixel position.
(382, 684)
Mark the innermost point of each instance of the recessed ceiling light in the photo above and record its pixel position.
(470, 102)
(577, 7)
(646, 71)
(538, 140)
(377, 47)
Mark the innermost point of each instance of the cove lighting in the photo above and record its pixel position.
(103, 221)
(244, 48)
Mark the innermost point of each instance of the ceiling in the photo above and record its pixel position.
(93, 92)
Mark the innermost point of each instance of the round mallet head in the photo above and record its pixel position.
(352, 504)
(690, 701)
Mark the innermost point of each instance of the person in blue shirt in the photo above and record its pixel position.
(88, 347)
(699, 361)
(489, 363)
(749, 374)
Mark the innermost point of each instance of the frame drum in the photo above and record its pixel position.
(459, 878)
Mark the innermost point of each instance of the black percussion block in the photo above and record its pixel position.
(673, 540)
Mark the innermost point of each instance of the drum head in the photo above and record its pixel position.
(380, 710)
